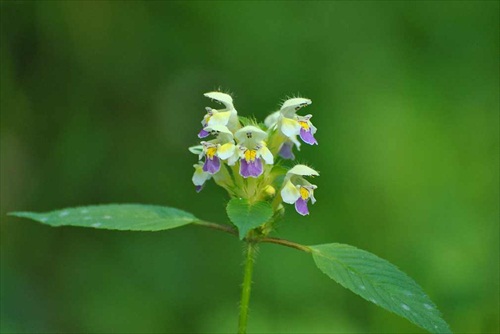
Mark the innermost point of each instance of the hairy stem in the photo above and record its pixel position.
(250, 252)
(251, 249)
(286, 243)
(278, 241)
(220, 227)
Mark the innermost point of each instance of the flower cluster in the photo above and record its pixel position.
(241, 155)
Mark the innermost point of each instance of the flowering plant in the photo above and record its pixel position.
(242, 151)
(247, 159)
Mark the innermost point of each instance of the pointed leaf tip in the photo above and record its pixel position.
(379, 282)
(125, 217)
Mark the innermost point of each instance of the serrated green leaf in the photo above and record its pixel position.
(132, 217)
(379, 282)
(248, 216)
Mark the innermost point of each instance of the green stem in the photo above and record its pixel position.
(220, 227)
(232, 230)
(251, 250)
(286, 243)
(246, 288)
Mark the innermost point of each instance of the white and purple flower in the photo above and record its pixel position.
(231, 143)
(291, 124)
(307, 130)
(220, 148)
(252, 150)
(297, 190)
(200, 176)
(226, 117)
(212, 161)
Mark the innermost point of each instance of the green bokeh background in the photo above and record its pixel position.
(100, 100)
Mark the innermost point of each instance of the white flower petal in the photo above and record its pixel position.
(290, 194)
(290, 106)
(272, 119)
(198, 149)
(223, 98)
(313, 128)
(232, 159)
(199, 176)
(219, 128)
(223, 136)
(294, 140)
(302, 170)
(295, 102)
(219, 118)
(240, 151)
(266, 155)
(290, 127)
(311, 196)
(225, 151)
(250, 132)
(233, 124)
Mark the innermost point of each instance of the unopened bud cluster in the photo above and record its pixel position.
(243, 156)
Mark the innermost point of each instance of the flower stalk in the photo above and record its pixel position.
(249, 159)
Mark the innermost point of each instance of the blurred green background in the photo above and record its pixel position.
(100, 100)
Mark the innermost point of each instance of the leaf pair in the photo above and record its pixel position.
(367, 275)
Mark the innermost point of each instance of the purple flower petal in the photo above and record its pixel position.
(199, 188)
(286, 151)
(203, 133)
(308, 137)
(251, 169)
(301, 207)
(211, 166)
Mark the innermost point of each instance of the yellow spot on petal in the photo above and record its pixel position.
(304, 193)
(304, 125)
(211, 152)
(250, 155)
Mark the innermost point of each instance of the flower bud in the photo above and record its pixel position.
(269, 191)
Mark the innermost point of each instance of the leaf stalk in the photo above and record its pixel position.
(277, 241)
